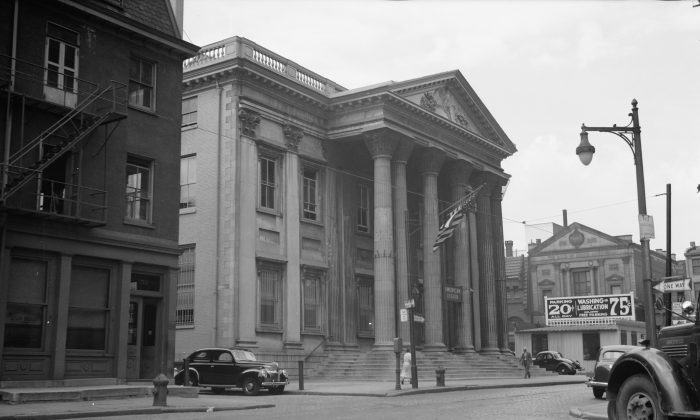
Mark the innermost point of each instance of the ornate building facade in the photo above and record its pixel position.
(309, 211)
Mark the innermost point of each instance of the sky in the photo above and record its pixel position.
(542, 68)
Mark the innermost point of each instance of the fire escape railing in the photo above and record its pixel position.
(93, 107)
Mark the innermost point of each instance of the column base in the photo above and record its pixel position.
(434, 347)
(508, 351)
(490, 350)
(464, 350)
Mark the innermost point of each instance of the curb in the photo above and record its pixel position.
(577, 413)
(133, 412)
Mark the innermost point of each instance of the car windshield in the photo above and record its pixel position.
(243, 355)
(611, 356)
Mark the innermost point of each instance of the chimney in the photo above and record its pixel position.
(509, 248)
(692, 244)
(566, 219)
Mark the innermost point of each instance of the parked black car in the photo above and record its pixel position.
(555, 362)
(601, 372)
(220, 368)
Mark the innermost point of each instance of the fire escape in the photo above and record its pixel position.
(41, 175)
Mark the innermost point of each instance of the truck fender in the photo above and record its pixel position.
(674, 391)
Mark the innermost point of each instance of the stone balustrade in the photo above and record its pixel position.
(241, 47)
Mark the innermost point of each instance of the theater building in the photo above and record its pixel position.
(308, 211)
(90, 141)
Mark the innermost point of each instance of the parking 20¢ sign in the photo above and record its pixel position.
(588, 309)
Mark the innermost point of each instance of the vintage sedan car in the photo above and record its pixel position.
(555, 362)
(220, 368)
(601, 371)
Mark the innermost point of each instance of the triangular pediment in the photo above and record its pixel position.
(444, 103)
(450, 96)
(577, 237)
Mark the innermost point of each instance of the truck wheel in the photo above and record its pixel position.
(251, 386)
(598, 392)
(638, 400)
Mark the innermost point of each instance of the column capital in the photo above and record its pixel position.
(431, 160)
(494, 183)
(249, 121)
(380, 143)
(458, 172)
(403, 151)
(292, 137)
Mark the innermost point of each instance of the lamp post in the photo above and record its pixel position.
(585, 152)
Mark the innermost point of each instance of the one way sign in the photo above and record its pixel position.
(673, 286)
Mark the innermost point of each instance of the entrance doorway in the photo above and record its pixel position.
(143, 338)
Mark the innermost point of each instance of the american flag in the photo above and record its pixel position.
(456, 215)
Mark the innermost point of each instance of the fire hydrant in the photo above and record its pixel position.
(160, 390)
(440, 376)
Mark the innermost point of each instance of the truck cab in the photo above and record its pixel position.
(659, 383)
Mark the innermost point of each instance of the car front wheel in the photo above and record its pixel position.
(638, 400)
(563, 370)
(251, 386)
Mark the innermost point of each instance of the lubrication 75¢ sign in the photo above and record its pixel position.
(590, 307)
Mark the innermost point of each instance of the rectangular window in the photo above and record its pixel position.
(591, 345)
(623, 337)
(142, 83)
(26, 304)
(633, 338)
(184, 315)
(189, 111)
(363, 208)
(312, 301)
(310, 194)
(138, 189)
(268, 182)
(365, 303)
(61, 58)
(270, 297)
(581, 283)
(88, 310)
(696, 266)
(188, 179)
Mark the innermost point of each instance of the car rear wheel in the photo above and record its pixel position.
(251, 386)
(598, 392)
(276, 390)
(638, 400)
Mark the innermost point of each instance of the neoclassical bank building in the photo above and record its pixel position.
(309, 211)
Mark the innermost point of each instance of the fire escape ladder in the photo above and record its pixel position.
(65, 134)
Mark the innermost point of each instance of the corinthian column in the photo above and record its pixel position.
(401, 155)
(247, 272)
(292, 328)
(487, 273)
(499, 265)
(382, 147)
(430, 163)
(458, 173)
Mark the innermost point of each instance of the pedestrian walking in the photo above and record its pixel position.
(406, 368)
(526, 360)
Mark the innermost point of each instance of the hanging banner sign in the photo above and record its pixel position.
(588, 310)
(646, 226)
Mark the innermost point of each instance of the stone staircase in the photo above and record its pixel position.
(381, 366)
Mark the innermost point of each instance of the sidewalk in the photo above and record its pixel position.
(211, 402)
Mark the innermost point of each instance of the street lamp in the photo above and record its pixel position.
(585, 152)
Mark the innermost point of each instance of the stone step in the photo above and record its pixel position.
(29, 395)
